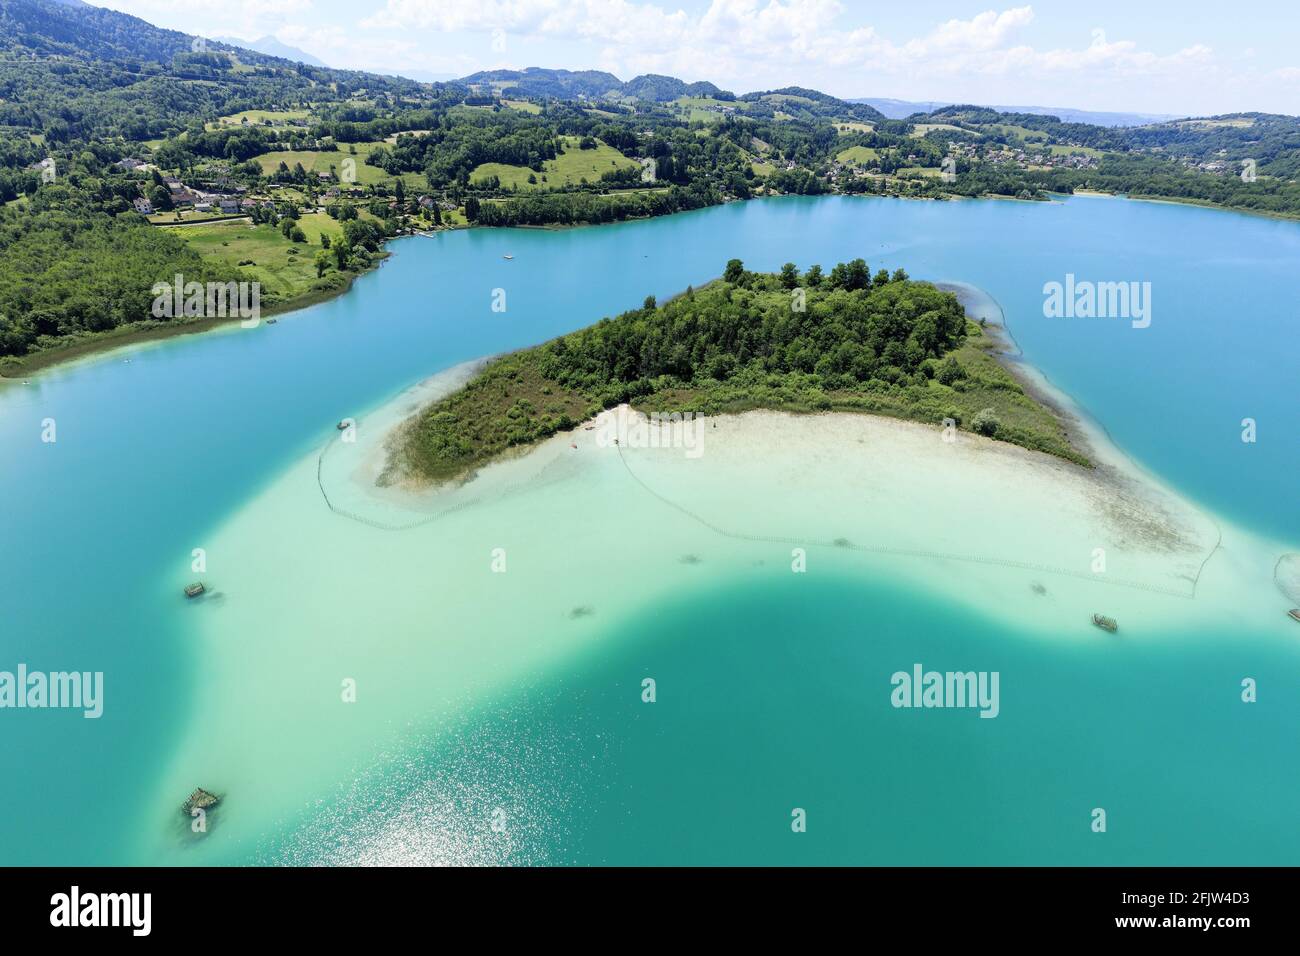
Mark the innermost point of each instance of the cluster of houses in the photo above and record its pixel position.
(1023, 156)
(297, 121)
(132, 165)
(428, 202)
(337, 192)
(225, 198)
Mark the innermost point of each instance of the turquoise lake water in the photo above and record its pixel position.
(159, 447)
(771, 712)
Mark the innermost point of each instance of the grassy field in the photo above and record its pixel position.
(1058, 150)
(922, 129)
(523, 106)
(857, 155)
(705, 109)
(847, 129)
(321, 161)
(569, 168)
(1016, 132)
(698, 115)
(188, 215)
(776, 98)
(1239, 122)
(259, 118)
(708, 102)
(284, 268)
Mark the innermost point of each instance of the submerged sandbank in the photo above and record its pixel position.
(427, 603)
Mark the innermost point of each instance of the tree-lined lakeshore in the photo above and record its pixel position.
(841, 340)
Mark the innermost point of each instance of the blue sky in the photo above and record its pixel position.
(1192, 57)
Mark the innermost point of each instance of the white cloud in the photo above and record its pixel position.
(344, 49)
(990, 56)
(610, 20)
(735, 40)
(987, 31)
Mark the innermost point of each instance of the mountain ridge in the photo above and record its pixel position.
(272, 46)
(902, 109)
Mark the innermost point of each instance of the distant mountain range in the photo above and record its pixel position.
(426, 76)
(273, 47)
(901, 109)
(594, 84)
(599, 85)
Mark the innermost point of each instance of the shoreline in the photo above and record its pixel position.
(1144, 522)
(1179, 201)
(102, 344)
(1071, 416)
(1084, 431)
(15, 368)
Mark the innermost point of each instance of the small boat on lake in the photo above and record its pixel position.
(507, 257)
(343, 425)
(1294, 613)
(1105, 623)
(195, 589)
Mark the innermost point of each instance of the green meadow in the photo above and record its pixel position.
(857, 155)
(570, 168)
